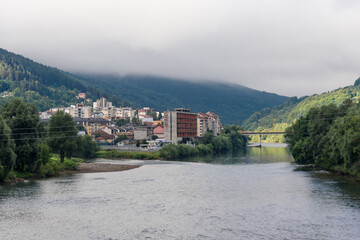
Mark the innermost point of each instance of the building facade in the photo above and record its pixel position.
(180, 124)
(208, 122)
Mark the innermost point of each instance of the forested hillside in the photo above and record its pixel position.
(282, 116)
(233, 103)
(48, 87)
(44, 86)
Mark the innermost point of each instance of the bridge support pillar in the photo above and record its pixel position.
(260, 140)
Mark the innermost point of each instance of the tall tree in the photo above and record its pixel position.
(7, 148)
(63, 134)
(24, 121)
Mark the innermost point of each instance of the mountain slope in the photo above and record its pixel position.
(233, 103)
(279, 117)
(44, 86)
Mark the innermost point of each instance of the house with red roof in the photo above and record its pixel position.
(159, 131)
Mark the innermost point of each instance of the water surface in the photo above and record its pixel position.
(252, 195)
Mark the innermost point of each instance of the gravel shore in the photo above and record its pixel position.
(104, 167)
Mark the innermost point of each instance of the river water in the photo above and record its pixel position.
(252, 195)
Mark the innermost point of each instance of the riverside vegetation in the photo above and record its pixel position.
(28, 148)
(328, 137)
(229, 140)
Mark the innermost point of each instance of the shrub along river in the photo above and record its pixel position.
(252, 195)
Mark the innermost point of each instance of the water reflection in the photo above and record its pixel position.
(268, 153)
(27, 189)
(341, 187)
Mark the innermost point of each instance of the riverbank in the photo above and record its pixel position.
(54, 168)
(81, 168)
(99, 167)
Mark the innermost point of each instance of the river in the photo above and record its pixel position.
(252, 195)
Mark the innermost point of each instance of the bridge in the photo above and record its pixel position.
(249, 133)
(261, 133)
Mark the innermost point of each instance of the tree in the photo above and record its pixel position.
(120, 138)
(207, 138)
(122, 121)
(154, 137)
(89, 147)
(7, 150)
(136, 121)
(81, 128)
(62, 135)
(24, 121)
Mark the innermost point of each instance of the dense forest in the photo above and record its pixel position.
(233, 103)
(44, 86)
(328, 137)
(282, 116)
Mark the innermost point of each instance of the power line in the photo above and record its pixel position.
(38, 128)
(39, 133)
(23, 139)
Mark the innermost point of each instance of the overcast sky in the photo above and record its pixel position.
(289, 47)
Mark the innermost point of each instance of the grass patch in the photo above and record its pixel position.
(53, 167)
(112, 153)
(17, 174)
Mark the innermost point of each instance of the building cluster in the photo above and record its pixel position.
(100, 121)
(181, 124)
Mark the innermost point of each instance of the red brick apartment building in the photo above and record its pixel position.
(180, 124)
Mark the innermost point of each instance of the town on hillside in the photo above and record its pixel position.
(124, 126)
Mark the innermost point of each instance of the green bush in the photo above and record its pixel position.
(169, 152)
(203, 149)
(69, 165)
(51, 168)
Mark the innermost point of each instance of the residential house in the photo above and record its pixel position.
(159, 131)
(146, 118)
(104, 137)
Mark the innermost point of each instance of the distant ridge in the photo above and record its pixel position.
(44, 86)
(233, 103)
(49, 87)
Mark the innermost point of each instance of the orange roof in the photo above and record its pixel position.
(157, 123)
(159, 130)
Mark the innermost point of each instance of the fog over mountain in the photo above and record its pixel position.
(287, 47)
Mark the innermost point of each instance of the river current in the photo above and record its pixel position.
(252, 195)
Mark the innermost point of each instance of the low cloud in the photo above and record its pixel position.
(287, 47)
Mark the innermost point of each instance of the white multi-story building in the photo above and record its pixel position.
(101, 103)
(80, 111)
(109, 112)
(124, 112)
(208, 122)
(202, 124)
(146, 118)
